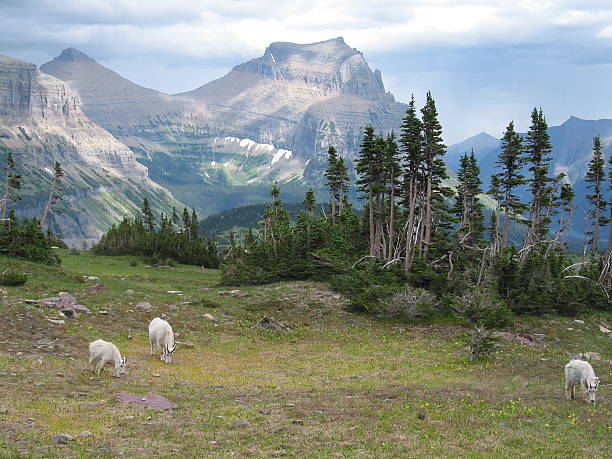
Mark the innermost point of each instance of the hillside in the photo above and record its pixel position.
(223, 144)
(338, 384)
(41, 121)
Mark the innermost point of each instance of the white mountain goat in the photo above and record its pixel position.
(103, 353)
(161, 337)
(580, 373)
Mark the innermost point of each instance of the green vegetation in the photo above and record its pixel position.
(340, 384)
(411, 237)
(175, 239)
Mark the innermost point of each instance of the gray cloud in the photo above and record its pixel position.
(487, 61)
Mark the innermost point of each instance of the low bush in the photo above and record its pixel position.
(12, 278)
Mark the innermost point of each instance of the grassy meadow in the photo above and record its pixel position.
(338, 385)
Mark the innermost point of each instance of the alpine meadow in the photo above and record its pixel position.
(289, 260)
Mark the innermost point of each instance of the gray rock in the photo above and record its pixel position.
(210, 317)
(67, 297)
(144, 305)
(240, 423)
(62, 438)
(85, 434)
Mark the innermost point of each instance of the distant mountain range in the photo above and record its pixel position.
(572, 150)
(219, 146)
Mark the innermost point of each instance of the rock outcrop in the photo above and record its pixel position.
(42, 122)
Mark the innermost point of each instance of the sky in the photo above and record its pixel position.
(486, 62)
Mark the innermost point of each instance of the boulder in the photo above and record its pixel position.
(144, 305)
(99, 286)
(522, 338)
(67, 297)
(62, 438)
(271, 323)
(240, 423)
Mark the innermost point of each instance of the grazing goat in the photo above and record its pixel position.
(580, 373)
(161, 337)
(103, 353)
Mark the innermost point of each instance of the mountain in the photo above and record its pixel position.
(41, 121)
(572, 150)
(223, 144)
(482, 144)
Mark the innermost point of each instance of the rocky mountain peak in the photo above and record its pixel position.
(330, 64)
(73, 54)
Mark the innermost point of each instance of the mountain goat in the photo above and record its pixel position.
(103, 353)
(580, 373)
(161, 337)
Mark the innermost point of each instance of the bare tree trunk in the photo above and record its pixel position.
(410, 229)
(48, 206)
(392, 222)
(595, 239)
(428, 216)
(504, 241)
(332, 196)
(371, 212)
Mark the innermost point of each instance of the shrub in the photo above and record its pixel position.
(12, 278)
(481, 343)
(482, 307)
(133, 263)
(413, 303)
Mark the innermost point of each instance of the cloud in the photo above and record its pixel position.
(487, 59)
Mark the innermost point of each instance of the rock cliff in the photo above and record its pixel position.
(42, 122)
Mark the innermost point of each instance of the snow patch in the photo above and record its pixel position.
(280, 153)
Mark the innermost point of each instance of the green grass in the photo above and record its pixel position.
(340, 384)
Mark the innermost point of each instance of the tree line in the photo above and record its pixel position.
(418, 232)
(174, 237)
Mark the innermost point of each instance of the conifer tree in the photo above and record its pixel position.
(392, 171)
(55, 193)
(595, 180)
(147, 215)
(435, 172)
(174, 218)
(509, 178)
(186, 223)
(368, 168)
(332, 180)
(193, 224)
(310, 202)
(538, 150)
(468, 208)
(12, 182)
(412, 147)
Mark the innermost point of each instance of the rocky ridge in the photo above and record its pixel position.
(42, 122)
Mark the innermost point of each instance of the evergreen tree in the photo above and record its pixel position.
(55, 193)
(595, 180)
(538, 150)
(175, 218)
(368, 168)
(392, 171)
(332, 180)
(510, 161)
(193, 224)
(12, 182)
(495, 191)
(436, 211)
(412, 147)
(186, 223)
(147, 215)
(468, 208)
(310, 202)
